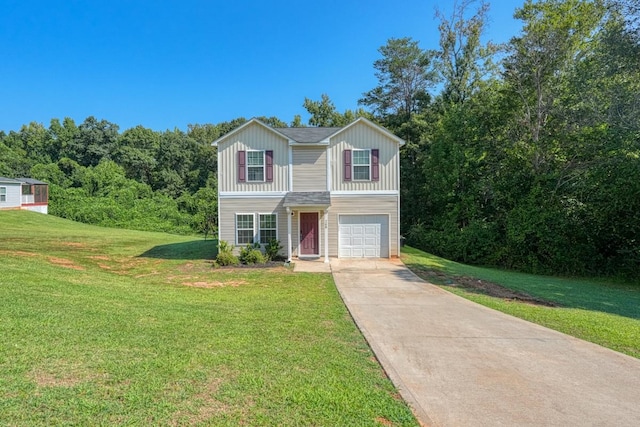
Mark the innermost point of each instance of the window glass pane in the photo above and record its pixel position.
(245, 236)
(255, 158)
(256, 173)
(244, 221)
(361, 157)
(361, 172)
(267, 228)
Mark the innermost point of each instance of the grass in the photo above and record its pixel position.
(116, 327)
(604, 312)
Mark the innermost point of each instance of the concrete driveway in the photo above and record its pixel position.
(458, 363)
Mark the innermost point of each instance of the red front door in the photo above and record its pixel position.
(309, 233)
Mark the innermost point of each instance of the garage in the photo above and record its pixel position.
(363, 236)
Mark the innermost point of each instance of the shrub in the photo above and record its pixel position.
(272, 249)
(227, 258)
(251, 254)
(225, 255)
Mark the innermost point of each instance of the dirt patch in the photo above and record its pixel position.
(74, 244)
(19, 253)
(208, 406)
(66, 263)
(61, 373)
(232, 283)
(383, 421)
(99, 257)
(480, 286)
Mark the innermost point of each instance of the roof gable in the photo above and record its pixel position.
(239, 129)
(363, 121)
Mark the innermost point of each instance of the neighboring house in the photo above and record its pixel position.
(323, 192)
(10, 190)
(24, 193)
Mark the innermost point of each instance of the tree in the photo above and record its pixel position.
(462, 61)
(323, 113)
(405, 75)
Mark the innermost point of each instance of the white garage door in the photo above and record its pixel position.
(363, 236)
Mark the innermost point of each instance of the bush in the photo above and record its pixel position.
(251, 254)
(272, 249)
(225, 255)
(227, 258)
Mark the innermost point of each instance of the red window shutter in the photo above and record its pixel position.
(269, 160)
(242, 166)
(347, 165)
(375, 169)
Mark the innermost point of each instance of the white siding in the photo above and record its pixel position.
(13, 194)
(229, 206)
(309, 168)
(360, 205)
(362, 136)
(253, 137)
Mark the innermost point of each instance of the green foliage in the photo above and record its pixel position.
(272, 250)
(251, 254)
(225, 256)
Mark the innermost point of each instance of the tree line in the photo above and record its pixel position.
(524, 155)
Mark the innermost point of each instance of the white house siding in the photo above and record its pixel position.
(230, 206)
(361, 205)
(309, 168)
(253, 137)
(13, 195)
(362, 136)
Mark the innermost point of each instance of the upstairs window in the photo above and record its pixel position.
(255, 166)
(361, 165)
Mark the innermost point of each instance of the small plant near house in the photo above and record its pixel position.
(225, 254)
(272, 249)
(251, 254)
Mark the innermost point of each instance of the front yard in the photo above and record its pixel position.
(116, 327)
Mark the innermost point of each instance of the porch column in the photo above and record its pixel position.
(288, 234)
(325, 220)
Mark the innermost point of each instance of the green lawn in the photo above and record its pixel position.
(115, 327)
(600, 311)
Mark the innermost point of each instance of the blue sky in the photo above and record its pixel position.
(166, 64)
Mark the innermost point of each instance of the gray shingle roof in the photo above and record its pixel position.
(307, 198)
(9, 180)
(31, 181)
(308, 135)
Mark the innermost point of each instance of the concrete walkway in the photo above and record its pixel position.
(461, 364)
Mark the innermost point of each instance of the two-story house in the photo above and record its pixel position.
(322, 191)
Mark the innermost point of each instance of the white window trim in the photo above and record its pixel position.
(3, 194)
(353, 164)
(253, 229)
(260, 229)
(264, 166)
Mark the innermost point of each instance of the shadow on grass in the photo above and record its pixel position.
(606, 296)
(195, 249)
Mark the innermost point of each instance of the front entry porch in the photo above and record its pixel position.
(312, 209)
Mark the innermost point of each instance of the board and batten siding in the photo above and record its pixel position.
(309, 168)
(254, 137)
(364, 205)
(365, 137)
(230, 206)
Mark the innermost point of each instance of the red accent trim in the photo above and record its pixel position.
(269, 160)
(35, 204)
(242, 166)
(375, 169)
(346, 154)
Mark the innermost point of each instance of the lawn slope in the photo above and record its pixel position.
(600, 311)
(117, 327)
